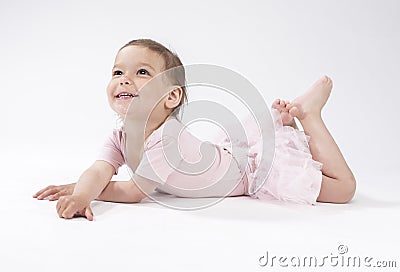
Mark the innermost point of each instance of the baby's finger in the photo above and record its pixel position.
(59, 208)
(89, 214)
(59, 194)
(69, 211)
(43, 190)
(47, 193)
(56, 196)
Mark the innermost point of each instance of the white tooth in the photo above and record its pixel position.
(126, 95)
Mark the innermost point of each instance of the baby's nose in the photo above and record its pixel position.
(125, 81)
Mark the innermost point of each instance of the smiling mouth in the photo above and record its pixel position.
(126, 96)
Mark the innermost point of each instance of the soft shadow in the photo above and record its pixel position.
(241, 208)
(101, 207)
(366, 201)
(244, 208)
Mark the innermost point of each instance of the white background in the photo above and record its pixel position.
(56, 59)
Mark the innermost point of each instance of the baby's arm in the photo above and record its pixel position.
(132, 191)
(90, 184)
(115, 191)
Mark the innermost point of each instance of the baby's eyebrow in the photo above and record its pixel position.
(146, 64)
(138, 64)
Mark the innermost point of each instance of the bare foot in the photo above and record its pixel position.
(312, 102)
(282, 107)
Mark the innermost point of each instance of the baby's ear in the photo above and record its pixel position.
(174, 97)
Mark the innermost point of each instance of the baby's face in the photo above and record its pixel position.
(134, 66)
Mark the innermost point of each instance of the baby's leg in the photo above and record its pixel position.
(338, 182)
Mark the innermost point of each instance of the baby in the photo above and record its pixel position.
(308, 166)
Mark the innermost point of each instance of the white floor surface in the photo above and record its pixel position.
(232, 235)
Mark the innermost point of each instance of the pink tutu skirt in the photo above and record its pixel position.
(293, 176)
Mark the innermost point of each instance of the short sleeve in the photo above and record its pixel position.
(159, 160)
(111, 151)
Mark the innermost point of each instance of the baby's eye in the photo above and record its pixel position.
(117, 73)
(142, 72)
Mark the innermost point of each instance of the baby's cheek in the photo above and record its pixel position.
(109, 89)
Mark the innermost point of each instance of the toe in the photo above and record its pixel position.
(276, 104)
(294, 111)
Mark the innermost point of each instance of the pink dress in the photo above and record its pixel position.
(172, 157)
(294, 175)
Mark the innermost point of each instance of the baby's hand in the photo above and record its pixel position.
(73, 206)
(54, 192)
